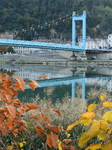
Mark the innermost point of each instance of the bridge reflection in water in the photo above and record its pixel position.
(76, 78)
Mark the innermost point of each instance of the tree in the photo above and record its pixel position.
(3, 48)
(10, 49)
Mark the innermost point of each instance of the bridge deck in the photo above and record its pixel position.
(52, 46)
(42, 45)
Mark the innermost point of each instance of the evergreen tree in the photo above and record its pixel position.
(10, 49)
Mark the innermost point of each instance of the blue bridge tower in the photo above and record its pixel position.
(83, 19)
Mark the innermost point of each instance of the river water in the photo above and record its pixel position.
(62, 82)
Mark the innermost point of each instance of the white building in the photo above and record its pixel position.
(104, 43)
(91, 43)
(22, 50)
(110, 40)
(7, 35)
(97, 43)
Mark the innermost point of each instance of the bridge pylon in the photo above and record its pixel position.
(83, 19)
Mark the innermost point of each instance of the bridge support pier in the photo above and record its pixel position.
(84, 57)
(78, 57)
(73, 57)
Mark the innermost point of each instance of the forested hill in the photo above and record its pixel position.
(30, 19)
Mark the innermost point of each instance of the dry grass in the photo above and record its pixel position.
(70, 110)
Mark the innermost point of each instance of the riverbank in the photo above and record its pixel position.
(60, 62)
(68, 63)
(53, 59)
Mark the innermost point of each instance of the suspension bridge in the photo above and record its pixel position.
(55, 46)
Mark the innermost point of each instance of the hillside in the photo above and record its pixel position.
(30, 19)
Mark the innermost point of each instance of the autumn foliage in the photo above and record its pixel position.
(97, 122)
(99, 119)
(12, 112)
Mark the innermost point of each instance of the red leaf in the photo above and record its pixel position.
(55, 129)
(31, 106)
(40, 130)
(52, 140)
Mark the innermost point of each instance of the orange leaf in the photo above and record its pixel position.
(35, 117)
(67, 147)
(5, 77)
(7, 84)
(2, 117)
(31, 106)
(52, 140)
(27, 110)
(16, 101)
(33, 84)
(45, 119)
(11, 72)
(20, 110)
(8, 97)
(40, 130)
(90, 115)
(58, 112)
(12, 110)
(55, 129)
(14, 92)
(66, 141)
(2, 110)
(43, 76)
(21, 83)
(4, 129)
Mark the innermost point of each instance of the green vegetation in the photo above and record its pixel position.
(10, 49)
(23, 17)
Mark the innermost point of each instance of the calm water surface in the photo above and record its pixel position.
(61, 81)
